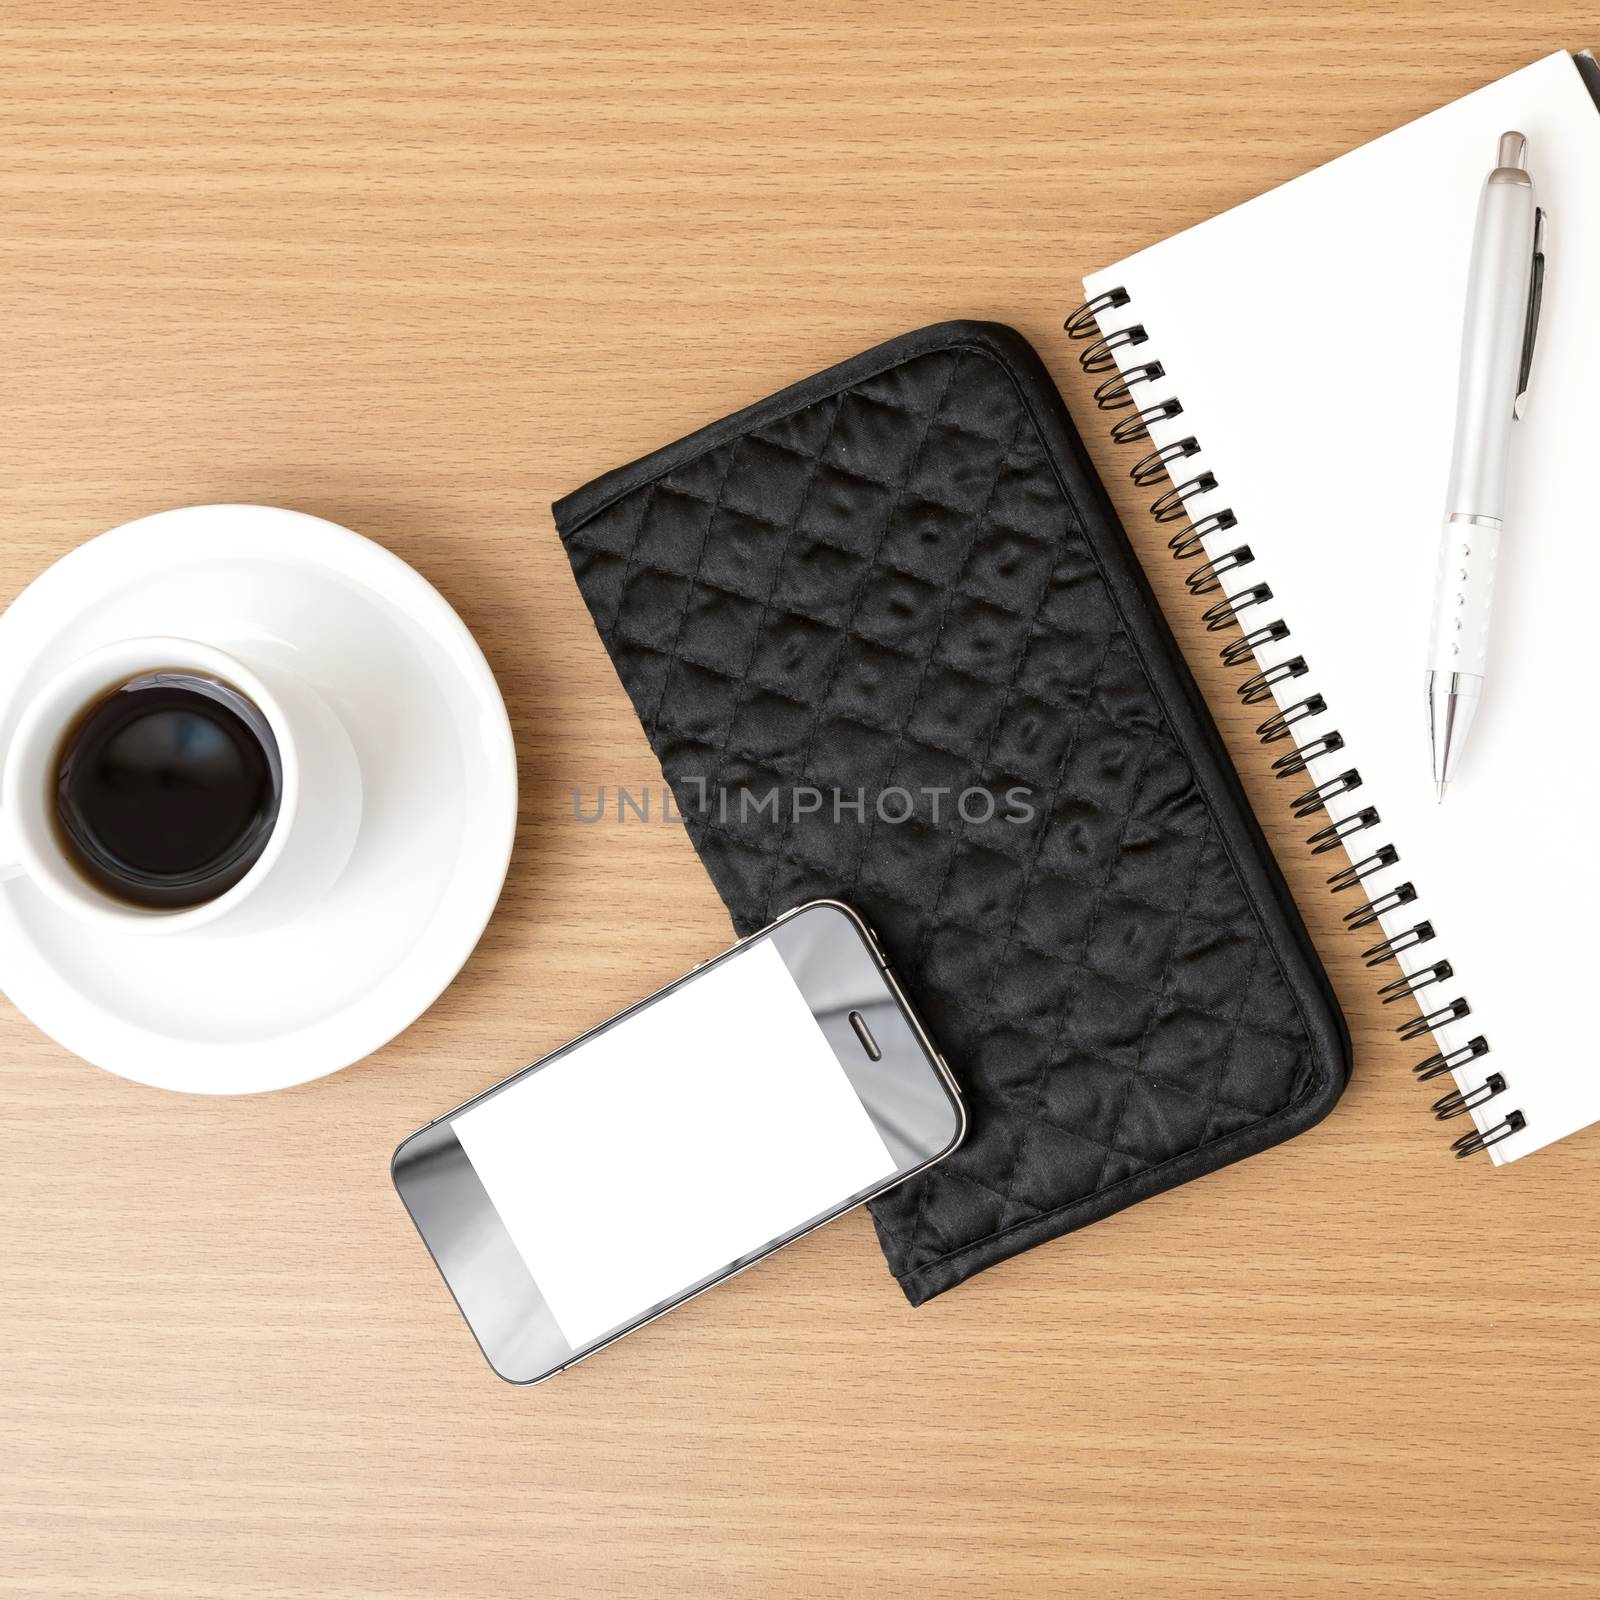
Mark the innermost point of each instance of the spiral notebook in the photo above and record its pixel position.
(1285, 373)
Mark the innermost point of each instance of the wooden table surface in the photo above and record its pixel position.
(421, 270)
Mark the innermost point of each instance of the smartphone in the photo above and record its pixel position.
(772, 1089)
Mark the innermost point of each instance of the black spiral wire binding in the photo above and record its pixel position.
(1152, 468)
(1348, 877)
(1335, 834)
(1464, 1100)
(1387, 950)
(1315, 800)
(1101, 356)
(1243, 649)
(1190, 538)
(1259, 685)
(1174, 503)
(1130, 429)
(1469, 1144)
(1084, 323)
(1417, 1026)
(1222, 614)
(1370, 911)
(1115, 392)
(1303, 755)
(1443, 1061)
(1416, 982)
(1277, 726)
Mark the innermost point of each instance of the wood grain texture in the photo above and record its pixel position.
(421, 270)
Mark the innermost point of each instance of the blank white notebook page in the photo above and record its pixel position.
(1313, 337)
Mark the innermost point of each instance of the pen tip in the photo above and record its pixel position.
(1439, 789)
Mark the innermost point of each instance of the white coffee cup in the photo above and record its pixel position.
(319, 810)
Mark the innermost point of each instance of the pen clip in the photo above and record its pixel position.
(1530, 330)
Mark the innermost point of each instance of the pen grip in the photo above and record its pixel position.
(1463, 592)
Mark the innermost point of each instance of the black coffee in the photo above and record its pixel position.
(167, 790)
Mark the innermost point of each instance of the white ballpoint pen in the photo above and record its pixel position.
(1504, 285)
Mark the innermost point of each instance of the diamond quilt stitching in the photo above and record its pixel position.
(960, 626)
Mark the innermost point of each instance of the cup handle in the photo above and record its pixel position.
(10, 866)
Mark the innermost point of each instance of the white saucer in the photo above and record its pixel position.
(240, 1013)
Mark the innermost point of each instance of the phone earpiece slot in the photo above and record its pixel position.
(864, 1034)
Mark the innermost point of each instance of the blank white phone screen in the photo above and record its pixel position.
(702, 1128)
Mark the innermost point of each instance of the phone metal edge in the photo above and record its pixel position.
(941, 1068)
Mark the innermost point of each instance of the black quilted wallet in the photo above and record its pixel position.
(896, 597)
